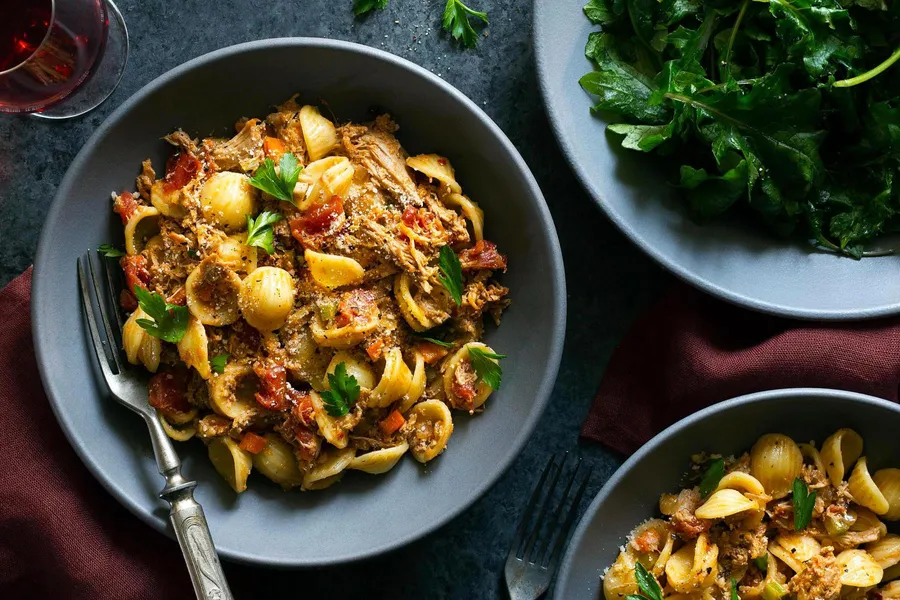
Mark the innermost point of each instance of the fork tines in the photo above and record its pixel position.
(539, 539)
(106, 343)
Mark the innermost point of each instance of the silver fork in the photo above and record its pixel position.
(129, 389)
(534, 555)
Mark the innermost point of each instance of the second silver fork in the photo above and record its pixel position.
(186, 514)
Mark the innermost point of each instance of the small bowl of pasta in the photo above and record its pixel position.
(339, 281)
(785, 494)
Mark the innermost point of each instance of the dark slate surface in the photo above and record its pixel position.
(609, 280)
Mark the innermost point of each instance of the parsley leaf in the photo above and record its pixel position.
(167, 322)
(486, 369)
(280, 185)
(804, 502)
(343, 393)
(762, 562)
(110, 251)
(711, 477)
(456, 22)
(647, 583)
(451, 273)
(217, 363)
(361, 7)
(259, 231)
(432, 340)
(734, 591)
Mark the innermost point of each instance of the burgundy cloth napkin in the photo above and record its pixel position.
(690, 351)
(62, 536)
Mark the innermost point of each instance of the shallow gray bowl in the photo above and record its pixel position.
(363, 515)
(631, 496)
(736, 261)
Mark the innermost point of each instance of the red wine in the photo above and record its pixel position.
(47, 49)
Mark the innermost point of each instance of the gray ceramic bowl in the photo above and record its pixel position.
(734, 260)
(364, 515)
(632, 494)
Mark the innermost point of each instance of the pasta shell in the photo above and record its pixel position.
(226, 199)
(775, 461)
(865, 491)
(232, 393)
(394, 382)
(460, 360)
(168, 202)
(193, 348)
(142, 226)
(278, 463)
(318, 132)
(839, 451)
(886, 551)
(750, 485)
(416, 385)
(890, 591)
(140, 347)
(212, 291)
(332, 271)
(432, 427)
(725, 503)
(619, 580)
(693, 565)
(470, 211)
(888, 481)
(859, 569)
(812, 455)
(330, 427)
(329, 464)
(355, 366)
(435, 167)
(179, 434)
(379, 461)
(234, 253)
(232, 463)
(267, 298)
(420, 310)
(794, 549)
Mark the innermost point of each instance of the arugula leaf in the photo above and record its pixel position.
(167, 322)
(343, 393)
(712, 476)
(804, 502)
(451, 273)
(110, 251)
(485, 366)
(217, 363)
(361, 7)
(711, 195)
(259, 231)
(456, 22)
(762, 562)
(280, 185)
(647, 584)
(432, 340)
(734, 589)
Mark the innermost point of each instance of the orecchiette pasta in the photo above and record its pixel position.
(779, 522)
(314, 321)
(888, 482)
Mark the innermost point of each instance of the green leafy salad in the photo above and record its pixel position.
(788, 107)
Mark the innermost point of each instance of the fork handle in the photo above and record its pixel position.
(196, 543)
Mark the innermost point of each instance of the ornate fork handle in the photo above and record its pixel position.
(188, 520)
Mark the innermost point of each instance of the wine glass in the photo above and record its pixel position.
(59, 58)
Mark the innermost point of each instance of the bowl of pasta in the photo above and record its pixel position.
(342, 287)
(790, 493)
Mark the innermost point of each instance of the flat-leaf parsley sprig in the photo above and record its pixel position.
(804, 502)
(110, 251)
(278, 184)
(647, 584)
(456, 22)
(343, 393)
(217, 363)
(259, 230)
(167, 322)
(486, 367)
(712, 476)
(451, 273)
(361, 7)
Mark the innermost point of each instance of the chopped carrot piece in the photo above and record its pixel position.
(392, 422)
(432, 352)
(374, 349)
(273, 148)
(253, 443)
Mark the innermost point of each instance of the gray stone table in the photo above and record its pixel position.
(609, 281)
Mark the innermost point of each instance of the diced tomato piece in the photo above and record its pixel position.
(136, 273)
(303, 409)
(483, 255)
(307, 442)
(374, 349)
(178, 297)
(319, 219)
(124, 205)
(273, 148)
(127, 300)
(272, 384)
(431, 352)
(392, 422)
(355, 304)
(168, 392)
(181, 168)
(253, 443)
(648, 541)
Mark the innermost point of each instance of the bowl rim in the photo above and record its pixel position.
(585, 178)
(42, 337)
(721, 407)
